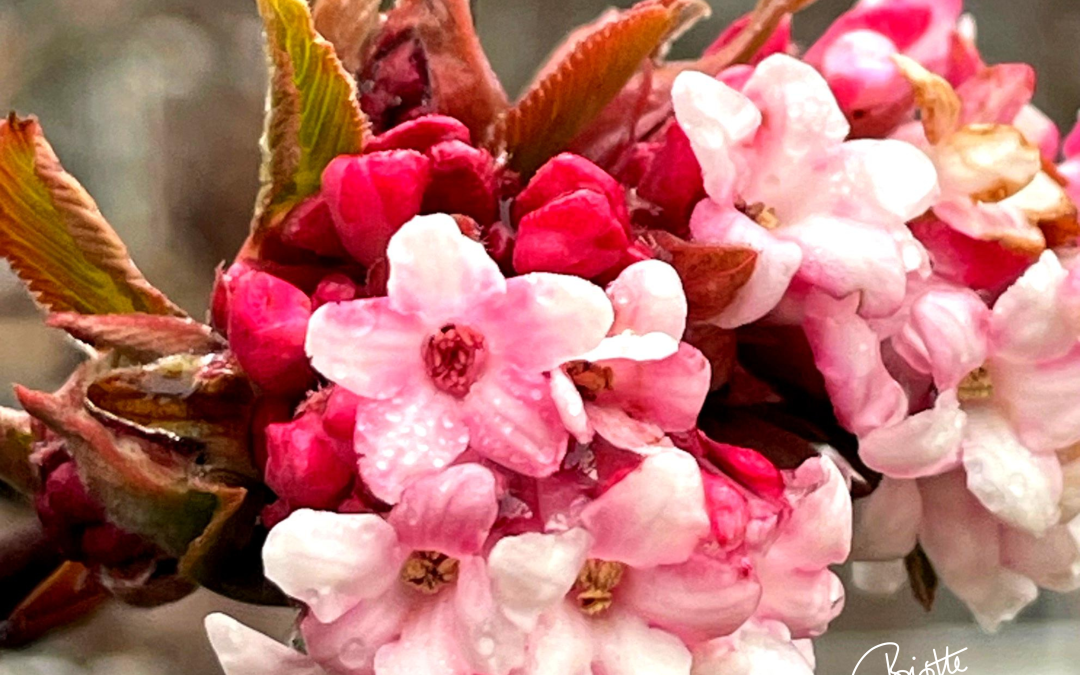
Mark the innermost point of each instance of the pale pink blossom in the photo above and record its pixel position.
(641, 381)
(455, 356)
(782, 180)
(758, 648)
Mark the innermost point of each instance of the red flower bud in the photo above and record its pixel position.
(311, 227)
(672, 183)
(575, 234)
(462, 181)
(268, 321)
(371, 196)
(306, 466)
(334, 287)
(420, 134)
(568, 173)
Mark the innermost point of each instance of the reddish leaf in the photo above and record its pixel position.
(463, 84)
(711, 275)
(55, 238)
(70, 593)
(588, 76)
(142, 336)
(349, 25)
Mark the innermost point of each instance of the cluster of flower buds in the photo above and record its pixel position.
(586, 384)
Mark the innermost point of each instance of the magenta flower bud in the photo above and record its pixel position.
(575, 234)
(310, 227)
(339, 416)
(305, 466)
(462, 182)
(729, 513)
(420, 134)
(371, 196)
(568, 173)
(334, 287)
(268, 321)
(672, 183)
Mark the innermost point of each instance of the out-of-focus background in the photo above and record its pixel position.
(156, 106)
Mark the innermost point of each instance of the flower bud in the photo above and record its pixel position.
(672, 183)
(371, 196)
(268, 321)
(335, 287)
(305, 466)
(310, 227)
(462, 182)
(575, 234)
(420, 134)
(568, 173)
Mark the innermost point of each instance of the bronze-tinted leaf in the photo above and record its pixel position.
(591, 73)
(349, 25)
(197, 405)
(140, 336)
(922, 577)
(463, 84)
(711, 275)
(56, 239)
(70, 593)
(145, 488)
(15, 448)
(313, 112)
(643, 107)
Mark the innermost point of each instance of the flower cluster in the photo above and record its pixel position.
(586, 385)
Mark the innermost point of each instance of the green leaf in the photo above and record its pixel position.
(15, 448)
(56, 239)
(313, 112)
(586, 79)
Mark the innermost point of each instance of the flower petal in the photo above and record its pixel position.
(450, 512)
(654, 516)
(667, 393)
(925, 444)
(513, 420)
(617, 427)
(1052, 561)
(545, 320)
(366, 347)
(946, 335)
(698, 600)
(418, 433)
(1031, 321)
(1009, 481)
(562, 644)
(428, 643)
(437, 272)
(533, 572)
(776, 264)
(571, 406)
(244, 651)
(963, 541)
(490, 641)
(848, 354)
(332, 561)
(648, 297)
(759, 648)
(886, 524)
(1042, 401)
(805, 601)
(349, 644)
(626, 645)
(818, 493)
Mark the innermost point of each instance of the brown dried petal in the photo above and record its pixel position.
(937, 100)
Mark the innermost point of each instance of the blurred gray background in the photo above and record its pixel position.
(156, 106)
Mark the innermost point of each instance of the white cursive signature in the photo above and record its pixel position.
(944, 665)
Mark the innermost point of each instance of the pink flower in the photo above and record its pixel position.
(397, 596)
(781, 180)
(758, 648)
(455, 357)
(572, 219)
(641, 381)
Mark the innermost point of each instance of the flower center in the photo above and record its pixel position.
(454, 357)
(595, 583)
(976, 386)
(759, 213)
(429, 571)
(590, 378)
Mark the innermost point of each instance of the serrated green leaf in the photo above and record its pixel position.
(313, 111)
(56, 239)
